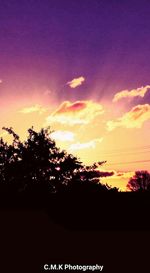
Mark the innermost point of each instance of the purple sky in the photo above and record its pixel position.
(54, 41)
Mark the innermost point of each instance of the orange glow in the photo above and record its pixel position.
(119, 179)
(80, 127)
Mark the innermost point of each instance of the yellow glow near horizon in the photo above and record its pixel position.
(90, 140)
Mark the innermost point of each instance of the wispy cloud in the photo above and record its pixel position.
(118, 179)
(132, 119)
(117, 174)
(79, 112)
(1, 81)
(139, 92)
(63, 136)
(76, 82)
(125, 175)
(35, 108)
(85, 145)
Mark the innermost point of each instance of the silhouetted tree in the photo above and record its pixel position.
(37, 165)
(140, 181)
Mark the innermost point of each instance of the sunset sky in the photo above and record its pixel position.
(83, 68)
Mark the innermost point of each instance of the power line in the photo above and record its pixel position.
(129, 162)
(121, 154)
(127, 153)
(146, 149)
(127, 149)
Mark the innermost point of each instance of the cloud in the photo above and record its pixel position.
(139, 92)
(118, 179)
(67, 106)
(124, 175)
(132, 119)
(76, 82)
(86, 145)
(35, 108)
(1, 81)
(79, 112)
(117, 174)
(63, 135)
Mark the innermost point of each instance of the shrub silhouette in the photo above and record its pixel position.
(37, 165)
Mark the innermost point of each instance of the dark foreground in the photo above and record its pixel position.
(111, 229)
(105, 211)
(29, 239)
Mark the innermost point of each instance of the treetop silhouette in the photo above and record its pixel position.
(38, 165)
(140, 181)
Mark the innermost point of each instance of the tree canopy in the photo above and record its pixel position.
(37, 164)
(140, 181)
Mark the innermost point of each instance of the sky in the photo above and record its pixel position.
(83, 68)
